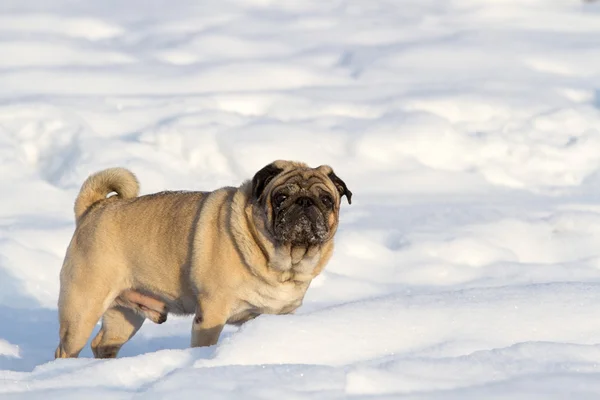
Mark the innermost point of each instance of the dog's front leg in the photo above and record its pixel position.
(211, 316)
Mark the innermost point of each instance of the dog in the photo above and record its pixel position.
(225, 256)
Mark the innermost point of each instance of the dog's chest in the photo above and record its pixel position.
(279, 299)
(295, 272)
(283, 298)
(291, 276)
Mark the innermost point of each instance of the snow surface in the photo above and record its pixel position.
(468, 265)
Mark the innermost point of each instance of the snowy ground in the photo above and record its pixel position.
(468, 265)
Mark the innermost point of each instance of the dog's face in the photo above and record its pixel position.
(301, 204)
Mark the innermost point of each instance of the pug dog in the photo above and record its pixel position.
(224, 256)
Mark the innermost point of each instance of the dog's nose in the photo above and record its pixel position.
(304, 202)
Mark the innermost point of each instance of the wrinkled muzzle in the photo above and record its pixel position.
(302, 223)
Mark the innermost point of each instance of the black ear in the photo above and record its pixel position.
(262, 179)
(341, 186)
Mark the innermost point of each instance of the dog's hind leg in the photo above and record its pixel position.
(79, 312)
(119, 324)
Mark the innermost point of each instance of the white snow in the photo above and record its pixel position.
(468, 265)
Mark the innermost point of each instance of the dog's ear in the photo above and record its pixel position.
(262, 178)
(341, 186)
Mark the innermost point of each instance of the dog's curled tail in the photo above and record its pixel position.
(99, 185)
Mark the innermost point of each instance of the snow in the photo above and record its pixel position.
(467, 266)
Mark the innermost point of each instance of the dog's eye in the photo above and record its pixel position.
(279, 199)
(326, 200)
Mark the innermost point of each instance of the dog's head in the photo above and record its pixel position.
(301, 204)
